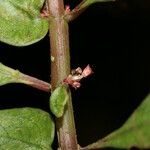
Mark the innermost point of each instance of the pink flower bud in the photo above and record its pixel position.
(67, 8)
(44, 13)
(76, 75)
(76, 84)
(87, 71)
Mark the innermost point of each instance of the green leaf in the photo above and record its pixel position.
(95, 1)
(21, 23)
(58, 101)
(9, 75)
(86, 3)
(135, 132)
(25, 129)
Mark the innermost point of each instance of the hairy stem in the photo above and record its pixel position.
(60, 68)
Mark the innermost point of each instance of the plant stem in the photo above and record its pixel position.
(60, 69)
(80, 8)
(76, 12)
(10, 75)
(34, 82)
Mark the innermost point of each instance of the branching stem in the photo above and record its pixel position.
(80, 8)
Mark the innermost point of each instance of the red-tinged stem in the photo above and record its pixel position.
(60, 69)
(34, 82)
(72, 15)
(80, 8)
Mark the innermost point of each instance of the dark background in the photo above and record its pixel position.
(114, 39)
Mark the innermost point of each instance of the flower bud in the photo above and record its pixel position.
(87, 71)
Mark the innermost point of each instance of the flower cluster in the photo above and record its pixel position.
(76, 75)
(67, 9)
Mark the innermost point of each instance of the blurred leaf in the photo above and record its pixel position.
(95, 1)
(21, 23)
(86, 3)
(58, 100)
(134, 133)
(25, 128)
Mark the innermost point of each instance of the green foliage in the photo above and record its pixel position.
(58, 100)
(135, 132)
(21, 23)
(8, 75)
(25, 128)
(86, 3)
(95, 1)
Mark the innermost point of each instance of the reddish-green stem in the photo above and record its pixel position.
(60, 68)
(34, 82)
(75, 12)
(80, 8)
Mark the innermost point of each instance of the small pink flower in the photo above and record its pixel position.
(77, 75)
(44, 13)
(87, 71)
(76, 84)
(67, 8)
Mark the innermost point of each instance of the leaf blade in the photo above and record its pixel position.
(135, 131)
(25, 128)
(21, 23)
(58, 100)
(9, 75)
(86, 3)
